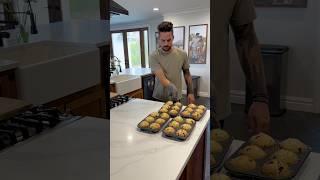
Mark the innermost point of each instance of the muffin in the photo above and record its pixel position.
(219, 176)
(200, 111)
(165, 106)
(190, 121)
(178, 104)
(189, 109)
(144, 124)
(243, 163)
(182, 133)
(154, 114)
(216, 147)
(179, 119)
(149, 119)
(186, 127)
(177, 108)
(163, 110)
(173, 112)
(170, 103)
(201, 107)
(169, 131)
(164, 116)
(275, 169)
(160, 121)
(212, 160)
(294, 145)
(174, 124)
(196, 116)
(253, 152)
(155, 127)
(262, 140)
(185, 113)
(286, 156)
(192, 106)
(219, 135)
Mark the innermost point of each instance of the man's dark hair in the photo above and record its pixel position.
(165, 26)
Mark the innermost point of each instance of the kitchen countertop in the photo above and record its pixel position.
(309, 171)
(136, 155)
(7, 65)
(137, 71)
(76, 151)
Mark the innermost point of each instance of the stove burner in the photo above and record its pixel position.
(118, 100)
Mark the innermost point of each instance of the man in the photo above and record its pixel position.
(166, 63)
(239, 14)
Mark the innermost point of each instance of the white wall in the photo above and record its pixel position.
(194, 18)
(296, 28)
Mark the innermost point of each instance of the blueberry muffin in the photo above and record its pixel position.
(166, 106)
(143, 124)
(196, 116)
(199, 111)
(154, 114)
(185, 113)
(178, 104)
(189, 110)
(286, 156)
(262, 140)
(179, 119)
(182, 133)
(155, 127)
(253, 152)
(190, 121)
(173, 113)
(163, 110)
(160, 121)
(177, 108)
(165, 116)
(215, 147)
(149, 119)
(186, 127)
(170, 131)
(170, 103)
(192, 106)
(243, 163)
(219, 135)
(275, 169)
(201, 107)
(174, 124)
(294, 145)
(219, 176)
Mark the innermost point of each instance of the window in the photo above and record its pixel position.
(131, 47)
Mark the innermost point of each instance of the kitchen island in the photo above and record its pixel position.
(139, 156)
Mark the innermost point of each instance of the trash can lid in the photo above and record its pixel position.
(273, 49)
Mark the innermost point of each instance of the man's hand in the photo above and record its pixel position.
(259, 118)
(191, 99)
(172, 91)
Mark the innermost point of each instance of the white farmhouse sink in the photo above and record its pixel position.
(126, 83)
(50, 70)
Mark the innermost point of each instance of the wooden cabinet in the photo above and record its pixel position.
(89, 102)
(8, 84)
(136, 94)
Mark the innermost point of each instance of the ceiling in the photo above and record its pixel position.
(140, 10)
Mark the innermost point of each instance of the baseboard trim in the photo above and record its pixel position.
(288, 102)
(201, 94)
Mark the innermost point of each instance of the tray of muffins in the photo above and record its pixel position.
(262, 157)
(173, 109)
(221, 142)
(179, 128)
(154, 122)
(193, 111)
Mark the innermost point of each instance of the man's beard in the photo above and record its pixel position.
(166, 48)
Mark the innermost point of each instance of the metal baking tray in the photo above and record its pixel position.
(194, 109)
(175, 137)
(220, 157)
(170, 108)
(257, 174)
(149, 130)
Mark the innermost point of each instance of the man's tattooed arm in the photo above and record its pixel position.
(188, 79)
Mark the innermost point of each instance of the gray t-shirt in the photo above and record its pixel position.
(172, 63)
(226, 12)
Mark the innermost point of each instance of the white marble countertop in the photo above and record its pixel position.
(7, 65)
(309, 171)
(136, 155)
(137, 71)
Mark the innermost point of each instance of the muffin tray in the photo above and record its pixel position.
(194, 110)
(148, 129)
(221, 156)
(257, 174)
(174, 136)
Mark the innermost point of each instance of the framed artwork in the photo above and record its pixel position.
(179, 37)
(281, 3)
(157, 39)
(198, 44)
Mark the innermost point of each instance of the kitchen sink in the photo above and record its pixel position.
(126, 83)
(49, 70)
